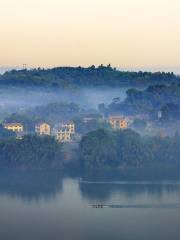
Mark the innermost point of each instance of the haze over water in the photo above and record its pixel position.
(48, 206)
(131, 35)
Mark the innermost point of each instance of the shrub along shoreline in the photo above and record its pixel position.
(100, 150)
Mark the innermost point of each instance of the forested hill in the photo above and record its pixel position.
(78, 76)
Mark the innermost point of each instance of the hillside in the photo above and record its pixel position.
(152, 99)
(66, 77)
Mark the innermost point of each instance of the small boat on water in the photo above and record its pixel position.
(97, 205)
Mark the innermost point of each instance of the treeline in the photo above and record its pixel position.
(78, 76)
(54, 113)
(127, 149)
(165, 98)
(101, 149)
(31, 152)
(51, 113)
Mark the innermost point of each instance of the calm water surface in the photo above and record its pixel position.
(49, 206)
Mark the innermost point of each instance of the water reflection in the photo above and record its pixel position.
(49, 205)
(48, 184)
(30, 185)
(104, 191)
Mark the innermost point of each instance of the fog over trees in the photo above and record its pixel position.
(151, 100)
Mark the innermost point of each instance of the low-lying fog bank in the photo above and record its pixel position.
(13, 99)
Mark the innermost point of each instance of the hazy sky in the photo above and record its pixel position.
(125, 33)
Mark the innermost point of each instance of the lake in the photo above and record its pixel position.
(47, 205)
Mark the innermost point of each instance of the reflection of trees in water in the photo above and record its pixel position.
(95, 191)
(31, 185)
(130, 178)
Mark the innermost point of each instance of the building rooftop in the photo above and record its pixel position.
(40, 123)
(117, 117)
(13, 124)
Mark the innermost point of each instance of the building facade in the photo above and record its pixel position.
(65, 132)
(43, 129)
(70, 126)
(15, 127)
(63, 135)
(118, 122)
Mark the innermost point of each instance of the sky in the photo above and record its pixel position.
(130, 34)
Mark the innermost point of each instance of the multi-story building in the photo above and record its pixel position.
(15, 127)
(65, 132)
(118, 122)
(43, 129)
(63, 135)
(70, 126)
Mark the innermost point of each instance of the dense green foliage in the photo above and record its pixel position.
(31, 152)
(104, 149)
(98, 149)
(54, 112)
(95, 123)
(91, 76)
(170, 111)
(150, 100)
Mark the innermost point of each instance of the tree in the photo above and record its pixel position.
(170, 111)
(32, 152)
(139, 123)
(97, 149)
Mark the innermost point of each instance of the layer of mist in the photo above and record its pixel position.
(17, 99)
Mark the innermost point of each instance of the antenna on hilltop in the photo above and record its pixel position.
(24, 66)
